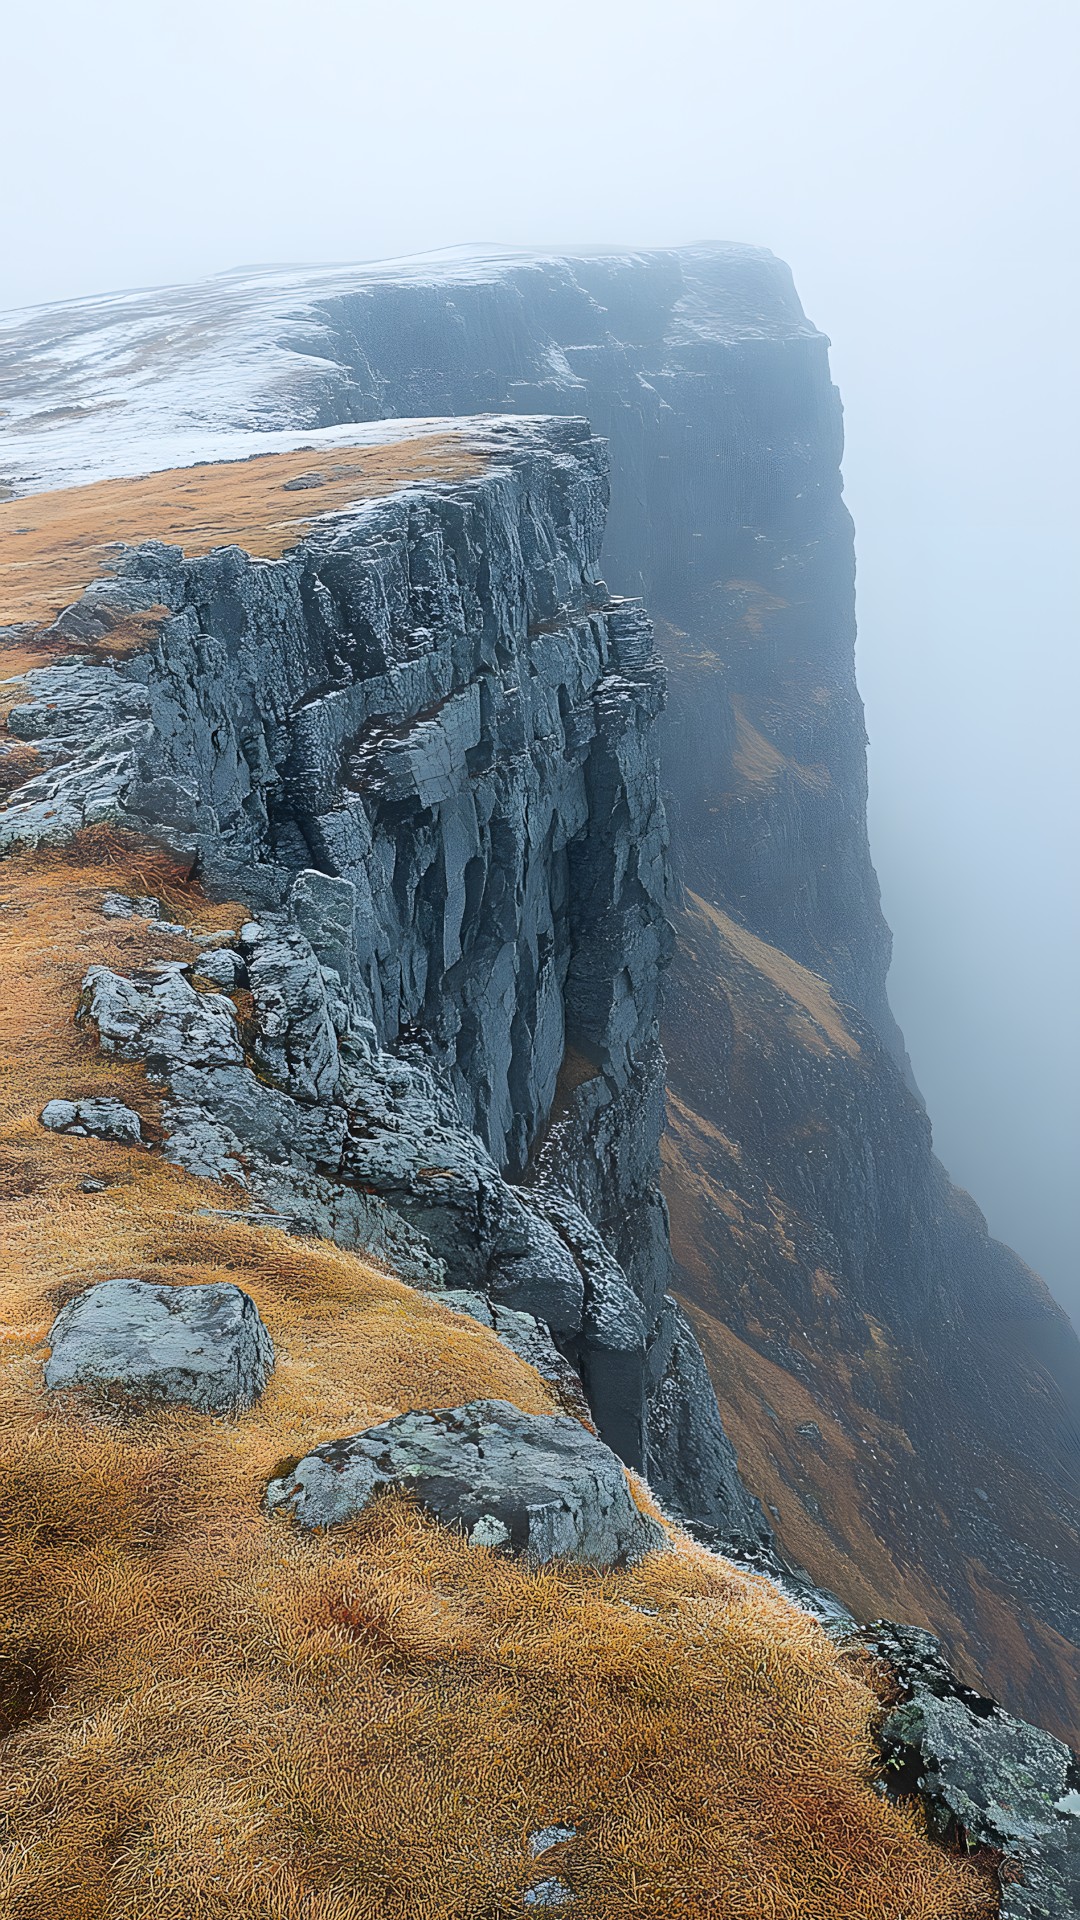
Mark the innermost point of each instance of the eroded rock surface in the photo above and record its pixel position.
(144, 1341)
(1004, 1783)
(101, 1119)
(422, 746)
(540, 1486)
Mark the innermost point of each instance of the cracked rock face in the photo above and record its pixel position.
(542, 1487)
(422, 747)
(1008, 1785)
(204, 1346)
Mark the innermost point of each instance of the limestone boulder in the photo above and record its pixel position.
(540, 1486)
(206, 1346)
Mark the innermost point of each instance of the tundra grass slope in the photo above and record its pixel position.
(209, 1715)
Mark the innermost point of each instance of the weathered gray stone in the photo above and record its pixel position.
(297, 1042)
(220, 967)
(157, 1017)
(543, 1487)
(611, 1345)
(206, 1346)
(102, 1119)
(423, 747)
(528, 1338)
(548, 1893)
(1004, 1783)
(123, 906)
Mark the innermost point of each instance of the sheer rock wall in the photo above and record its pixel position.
(421, 748)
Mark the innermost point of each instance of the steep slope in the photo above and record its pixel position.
(836, 1281)
(204, 1710)
(424, 734)
(725, 435)
(205, 1714)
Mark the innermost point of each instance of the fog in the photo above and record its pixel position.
(916, 166)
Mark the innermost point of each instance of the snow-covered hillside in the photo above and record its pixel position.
(132, 382)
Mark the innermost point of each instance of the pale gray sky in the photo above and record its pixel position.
(916, 164)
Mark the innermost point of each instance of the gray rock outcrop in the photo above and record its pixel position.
(422, 746)
(528, 1337)
(142, 1341)
(535, 1485)
(101, 1119)
(1002, 1783)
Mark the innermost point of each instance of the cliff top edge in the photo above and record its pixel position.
(131, 382)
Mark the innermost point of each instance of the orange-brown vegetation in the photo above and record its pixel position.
(209, 1716)
(758, 762)
(18, 763)
(52, 545)
(756, 603)
(806, 989)
(827, 1403)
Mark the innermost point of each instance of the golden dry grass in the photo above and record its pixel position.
(52, 545)
(807, 989)
(758, 762)
(212, 1717)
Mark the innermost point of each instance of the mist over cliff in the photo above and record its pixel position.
(334, 638)
(918, 171)
(817, 1240)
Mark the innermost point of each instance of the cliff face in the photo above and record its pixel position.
(903, 1391)
(421, 743)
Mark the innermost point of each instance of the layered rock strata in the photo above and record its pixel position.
(816, 1182)
(422, 745)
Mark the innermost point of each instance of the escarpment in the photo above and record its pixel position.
(336, 900)
(421, 744)
(841, 1286)
(311, 1599)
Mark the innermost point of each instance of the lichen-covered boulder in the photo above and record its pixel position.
(101, 1119)
(206, 1346)
(1006, 1784)
(537, 1485)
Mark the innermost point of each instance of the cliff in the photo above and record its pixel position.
(423, 738)
(841, 1286)
(259, 1267)
(368, 685)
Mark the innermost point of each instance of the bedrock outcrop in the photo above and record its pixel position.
(837, 1279)
(826, 1259)
(421, 748)
(1002, 1783)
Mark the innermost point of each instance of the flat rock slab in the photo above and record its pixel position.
(100, 1119)
(205, 1346)
(530, 1484)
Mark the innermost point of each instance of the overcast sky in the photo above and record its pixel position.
(916, 164)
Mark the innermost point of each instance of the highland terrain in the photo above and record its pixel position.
(488, 1077)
